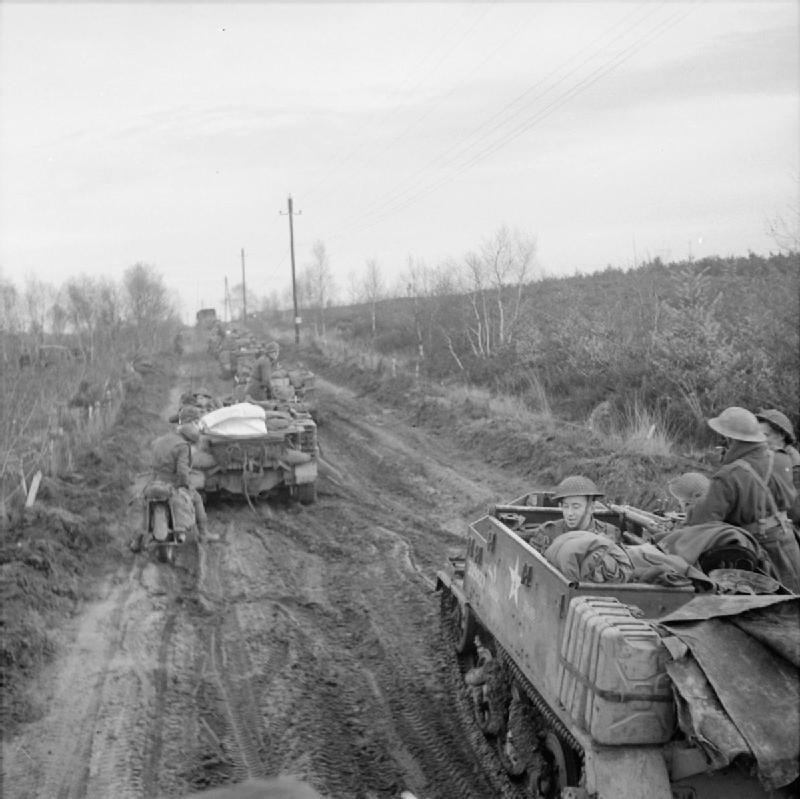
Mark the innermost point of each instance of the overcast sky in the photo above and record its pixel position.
(172, 133)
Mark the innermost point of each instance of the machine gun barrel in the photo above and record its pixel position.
(647, 521)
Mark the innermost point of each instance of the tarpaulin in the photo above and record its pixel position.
(690, 543)
(240, 420)
(699, 710)
(756, 687)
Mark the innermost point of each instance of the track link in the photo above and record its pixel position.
(503, 784)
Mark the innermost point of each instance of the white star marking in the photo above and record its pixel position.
(516, 582)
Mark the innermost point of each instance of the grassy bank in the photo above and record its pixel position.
(53, 555)
(632, 463)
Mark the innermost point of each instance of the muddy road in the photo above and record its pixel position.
(305, 642)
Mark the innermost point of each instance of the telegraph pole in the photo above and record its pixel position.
(244, 293)
(297, 319)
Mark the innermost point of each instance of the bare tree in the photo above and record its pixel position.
(82, 310)
(373, 289)
(59, 318)
(785, 230)
(37, 295)
(147, 304)
(354, 287)
(497, 274)
(9, 319)
(318, 280)
(109, 312)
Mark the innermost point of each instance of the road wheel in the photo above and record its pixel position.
(307, 493)
(465, 629)
(564, 767)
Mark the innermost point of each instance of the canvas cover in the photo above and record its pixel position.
(738, 683)
(244, 419)
(588, 557)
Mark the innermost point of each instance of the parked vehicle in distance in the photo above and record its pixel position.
(206, 317)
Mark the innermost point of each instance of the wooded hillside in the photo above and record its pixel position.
(679, 340)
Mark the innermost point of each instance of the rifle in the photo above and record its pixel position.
(655, 525)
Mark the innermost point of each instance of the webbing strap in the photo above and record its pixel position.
(761, 481)
(612, 696)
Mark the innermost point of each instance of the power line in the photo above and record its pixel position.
(431, 107)
(413, 193)
(379, 117)
(461, 148)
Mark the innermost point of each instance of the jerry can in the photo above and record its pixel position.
(612, 675)
(573, 691)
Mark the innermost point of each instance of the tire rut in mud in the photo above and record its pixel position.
(306, 642)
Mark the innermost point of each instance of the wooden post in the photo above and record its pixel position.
(31, 498)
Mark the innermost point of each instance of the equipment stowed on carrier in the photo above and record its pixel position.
(612, 675)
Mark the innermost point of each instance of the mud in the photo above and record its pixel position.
(306, 642)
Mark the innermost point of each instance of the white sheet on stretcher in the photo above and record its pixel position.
(242, 419)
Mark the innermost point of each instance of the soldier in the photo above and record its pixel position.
(172, 460)
(259, 386)
(753, 490)
(201, 399)
(780, 433)
(781, 438)
(575, 495)
(205, 400)
(688, 488)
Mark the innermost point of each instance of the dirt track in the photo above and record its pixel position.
(306, 642)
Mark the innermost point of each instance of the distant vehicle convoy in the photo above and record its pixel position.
(206, 317)
(256, 448)
(587, 690)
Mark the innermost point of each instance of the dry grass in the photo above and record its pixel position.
(503, 406)
(641, 432)
(636, 432)
(34, 416)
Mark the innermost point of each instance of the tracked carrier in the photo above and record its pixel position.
(258, 465)
(571, 683)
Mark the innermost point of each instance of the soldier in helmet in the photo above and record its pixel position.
(781, 438)
(172, 460)
(753, 489)
(201, 399)
(780, 433)
(688, 488)
(576, 495)
(205, 400)
(259, 386)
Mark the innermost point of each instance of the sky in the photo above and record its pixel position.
(173, 133)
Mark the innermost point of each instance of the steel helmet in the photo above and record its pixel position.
(189, 413)
(273, 346)
(737, 423)
(190, 432)
(576, 486)
(203, 392)
(779, 421)
(688, 486)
